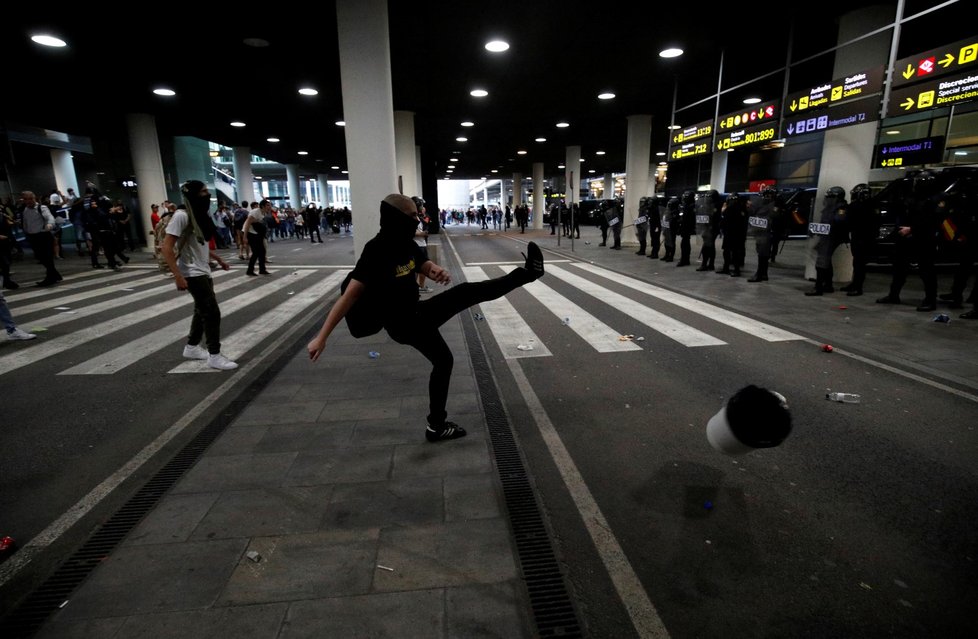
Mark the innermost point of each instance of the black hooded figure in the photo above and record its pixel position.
(861, 215)
(687, 226)
(382, 293)
(670, 226)
(829, 232)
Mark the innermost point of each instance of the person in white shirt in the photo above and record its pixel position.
(188, 254)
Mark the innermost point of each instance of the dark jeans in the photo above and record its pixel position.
(905, 250)
(43, 246)
(421, 331)
(257, 244)
(206, 321)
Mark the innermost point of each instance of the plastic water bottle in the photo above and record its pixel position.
(373, 354)
(847, 398)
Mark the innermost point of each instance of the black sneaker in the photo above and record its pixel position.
(448, 430)
(534, 262)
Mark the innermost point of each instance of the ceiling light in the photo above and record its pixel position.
(256, 42)
(335, 168)
(521, 153)
(48, 40)
(461, 139)
(540, 140)
(673, 127)
(258, 177)
(478, 93)
(214, 153)
(660, 153)
(497, 46)
(672, 52)
(340, 123)
(344, 172)
(238, 124)
(451, 166)
(590, 170)
(599, 152)
(893, 132)
(450, 171)
(302, 152)
(960, 153)
(494, 171)
(308, 91)
(751, 100)
(164, 92)
(467, 123)
(607, 95)
(582, 160)
(562, 125)
(272, 140)
(561, 166)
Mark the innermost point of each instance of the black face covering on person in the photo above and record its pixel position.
(396, 223)
(197, 205)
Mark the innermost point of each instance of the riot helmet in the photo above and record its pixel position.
(924, 183)
(860, 192)
(733, 198)
(673, 203)
(768, 193)
(836, 193)
(688, 197)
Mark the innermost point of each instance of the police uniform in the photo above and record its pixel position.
(614, 214)
(670, 224)
(734, 226)
(654, 215)
(708, 226)
(642, 224)
(829, 232)
(861, 220)
(687, 226)
(761, 226)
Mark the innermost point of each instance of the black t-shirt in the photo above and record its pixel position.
(387, 270)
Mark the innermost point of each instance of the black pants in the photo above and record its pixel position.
(904, 251)
(257, 244)
(206, 321)
(112, 247)
(314, 228)
(685, 249)
(43, 246)
(420, 331)
(860, 257)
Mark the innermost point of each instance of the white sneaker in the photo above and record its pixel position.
(195, 352)
(220, 362)
(18, 334)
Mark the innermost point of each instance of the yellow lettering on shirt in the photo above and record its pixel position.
(404, 269)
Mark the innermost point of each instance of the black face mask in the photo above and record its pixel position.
(395, 223)
(197, 205)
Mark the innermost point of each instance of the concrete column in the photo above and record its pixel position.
(405, 153)
(718, 171)
(538, 195)
(517, 189)
(243, 179)
(847, 152)
(292, 175)
(64, 171)
(323, 190)
(144, 146)
(365, 79)
(572, 174)
(637, 153)
(609, 186)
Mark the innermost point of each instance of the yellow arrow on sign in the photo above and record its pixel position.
(907, 104)
(947, 61)
(908, 72)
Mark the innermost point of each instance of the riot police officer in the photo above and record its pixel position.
(654, 214)
(829, 232)
(603, 222)
(761, 225)
(642, 224)
(687, 226)
(670, 225)
(733, 216)
(614, 215)
(862, 235)
(708, 226)
(916, 238)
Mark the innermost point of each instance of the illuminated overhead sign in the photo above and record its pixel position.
(749, 117)
(940, 92)
(688, 133)
(848, 114)
(746, 136)
(909, 152)
(689, 149)
(935, 63)
(857, 85)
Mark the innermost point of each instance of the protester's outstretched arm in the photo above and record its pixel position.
(436, 273)
(342, 306)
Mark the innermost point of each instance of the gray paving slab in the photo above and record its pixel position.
(418, 614)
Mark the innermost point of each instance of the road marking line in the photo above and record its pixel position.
(506, 324)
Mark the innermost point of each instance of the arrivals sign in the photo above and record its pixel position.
(847, 114)
(932, 94)
(689, 149)
(688, 133)
(951, 58)
(909, 152)
(851, 87)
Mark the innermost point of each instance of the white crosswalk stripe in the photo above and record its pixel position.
(659, 322)
(25, 293)
(48, 348)
(602, 337)
(127, 354)
(729, 318)
(240, 342)
(65, 300)
(509, 329)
